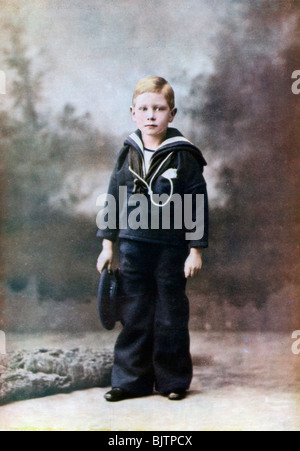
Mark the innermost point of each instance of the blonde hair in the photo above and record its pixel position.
(155, 84)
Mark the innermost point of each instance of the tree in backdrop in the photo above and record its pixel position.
(42, 241)
(250, 119)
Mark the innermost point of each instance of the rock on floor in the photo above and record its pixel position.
(44, 372)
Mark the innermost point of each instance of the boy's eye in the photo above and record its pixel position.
(158, 108)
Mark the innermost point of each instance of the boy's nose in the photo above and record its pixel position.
(151, 114)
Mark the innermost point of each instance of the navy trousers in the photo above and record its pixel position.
(153, 348)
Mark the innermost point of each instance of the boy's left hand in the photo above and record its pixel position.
(193, 263)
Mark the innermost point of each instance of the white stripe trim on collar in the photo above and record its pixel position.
(174, 140)
(137, 140)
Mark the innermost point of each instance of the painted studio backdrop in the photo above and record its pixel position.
(68, 69)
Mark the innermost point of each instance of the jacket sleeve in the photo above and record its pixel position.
(196, 187)
(108, 218)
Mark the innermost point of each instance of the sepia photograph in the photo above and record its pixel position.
(149, 217)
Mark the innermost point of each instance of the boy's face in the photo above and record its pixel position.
(152, 114)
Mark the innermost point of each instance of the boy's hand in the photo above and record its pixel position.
(193, 263)
(106, 257)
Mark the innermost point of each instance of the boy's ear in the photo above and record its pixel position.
(132, 113)
(173, 114)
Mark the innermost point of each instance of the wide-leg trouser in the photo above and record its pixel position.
(153, 348)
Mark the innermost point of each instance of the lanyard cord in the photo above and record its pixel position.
(152, 180)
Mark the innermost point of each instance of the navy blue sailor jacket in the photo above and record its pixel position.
(168, 204)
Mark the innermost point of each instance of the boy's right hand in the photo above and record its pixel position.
(106, 257)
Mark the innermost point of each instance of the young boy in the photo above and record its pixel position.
(156, 253)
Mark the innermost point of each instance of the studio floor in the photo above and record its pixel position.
(242, 382)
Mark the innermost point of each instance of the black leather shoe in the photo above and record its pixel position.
(117, 394)
(177, 395)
